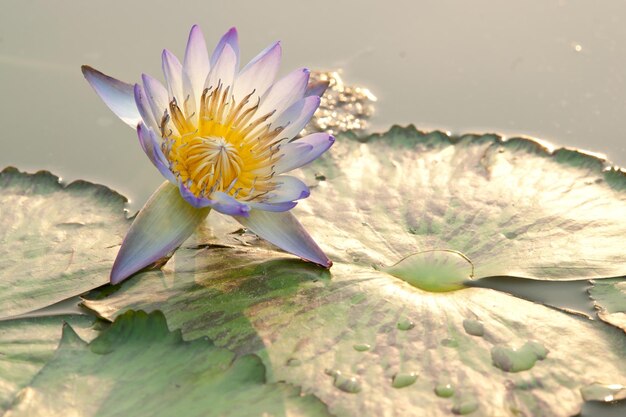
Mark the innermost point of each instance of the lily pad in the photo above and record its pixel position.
(305, 322)
(511, 207)
(138, 367)
(427, 209)
(27, 344)
(56, 240)
(609, 296)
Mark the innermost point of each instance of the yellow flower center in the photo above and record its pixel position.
(227, 148)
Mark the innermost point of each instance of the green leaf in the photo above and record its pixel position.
(138, 367)
(432, 211)
(365, 342)
(511, 207)
(56, 240)
(609, 297)
(27, 344)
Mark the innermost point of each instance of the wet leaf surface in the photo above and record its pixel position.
(428, 209)
(391, 328)
(26, 345)
(609, 296)
(138, 367)
(56, 240)
(513, 208)
(306, 323)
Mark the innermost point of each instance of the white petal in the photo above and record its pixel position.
(156, 95)
(285, 231)
(297, 116)
(224, 69)
(288, 189)
(302, 151)
(230, 38)
(259, 74)
(173, 71)
(285, 92)
(117, 95)
(143, 105)
(196, 64)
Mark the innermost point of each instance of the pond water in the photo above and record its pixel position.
(547, 69)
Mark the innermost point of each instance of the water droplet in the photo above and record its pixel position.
(434, 271)
(473, 327)
(347, 384)
(362, 347)
(294, 362)
(403, 379)
(444, 390)
(465, 406)
(405, 324)
(603, 392)
(516, 360)
(451, 343)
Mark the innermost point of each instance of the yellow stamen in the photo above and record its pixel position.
(222, 146)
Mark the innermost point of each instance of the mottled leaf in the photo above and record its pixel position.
(137, 367)
(56, 240)
(609, 297)
(367, 343)
(432, 211)
(27, 344)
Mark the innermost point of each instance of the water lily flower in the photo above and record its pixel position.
(223, 138)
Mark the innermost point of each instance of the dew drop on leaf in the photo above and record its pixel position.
(405, 324)
(473, 327)
(362, 347)
(444, 390)
(603, 392)
(516, 360)
(403, 379)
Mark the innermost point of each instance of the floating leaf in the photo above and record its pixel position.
(511, 207)
(138, 367)
(305, 322)
(25, 347)
(449, 209)
(609, 296)
(56, 240)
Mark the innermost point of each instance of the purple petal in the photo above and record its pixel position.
(196, 63)
(286, 232)
(285, 92)
(156, 95)
(297, 116)
(220, 202)
(141, 101)
(288, 189)
(287, 205)
(260, 73)
(161, 226)
(117, 95)
(223, 72)
(226, 204)
(188, 196)
(230, 38)
(317, 88)
(150, 145)
(302, 151)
